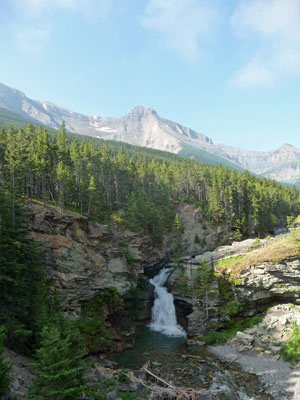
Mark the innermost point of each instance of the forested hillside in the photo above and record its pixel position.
(138, 187)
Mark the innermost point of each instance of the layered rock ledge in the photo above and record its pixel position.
(83, 257)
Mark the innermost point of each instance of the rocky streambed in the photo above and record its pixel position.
(190, 366)
(248, 367)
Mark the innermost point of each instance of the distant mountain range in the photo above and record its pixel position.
(144, 127)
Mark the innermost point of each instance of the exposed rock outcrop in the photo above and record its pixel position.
(197, 235)
(253, 286)
(268, 283)
(83, 257)
(257, 350)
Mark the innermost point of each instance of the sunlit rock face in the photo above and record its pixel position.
(83, 257)
(269, 283)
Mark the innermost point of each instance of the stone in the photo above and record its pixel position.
(113, 395)
(124, 387)
(245, 337)
(117, 264)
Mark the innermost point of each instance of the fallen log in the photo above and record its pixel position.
(173, 392)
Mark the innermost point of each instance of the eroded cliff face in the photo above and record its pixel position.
(83, 257)
(198, 236)
(269, 283)
(236, 291)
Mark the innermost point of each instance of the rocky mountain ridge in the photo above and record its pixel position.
(144, 127)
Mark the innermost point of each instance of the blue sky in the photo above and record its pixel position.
(227, 68)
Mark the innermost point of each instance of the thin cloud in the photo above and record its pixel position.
(183, 25)
(271, 29)
(32, 39)
(253, 74)
(34, 28)
(37, 8)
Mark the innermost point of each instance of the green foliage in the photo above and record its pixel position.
(124, 378)
(177, 245)
(109, 384)
(149, 214)
(98, 178)
(256, 241)
(291, 350)
(231, 328)
(289, 221)
(59, 368)
(91, 323)
(232, 308)
(203, 281)
(128, 256)
(201, 242)
(197, 239)
(24, 291)
(106, 298)
(4, 368)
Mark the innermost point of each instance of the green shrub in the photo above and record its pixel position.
(217, 337)
(197, 239)
(232, 308)
(92, 321)
(291, 350)
(109, 384)
(128, 256)
(122, 377)
(230, 330)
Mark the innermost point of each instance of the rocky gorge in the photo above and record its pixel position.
(84, 258)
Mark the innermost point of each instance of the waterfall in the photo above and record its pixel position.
(163, 311)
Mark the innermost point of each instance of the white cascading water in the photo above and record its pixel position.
(163, 311)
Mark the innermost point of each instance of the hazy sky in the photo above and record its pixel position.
(227, 68)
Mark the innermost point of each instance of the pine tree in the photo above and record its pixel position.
(4, 369)
(203, 284)
(59, 367)
(63, 144)
(23, 285)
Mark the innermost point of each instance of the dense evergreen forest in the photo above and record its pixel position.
(141, 187)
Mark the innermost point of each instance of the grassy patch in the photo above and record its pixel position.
(288, 247)
(231, 328)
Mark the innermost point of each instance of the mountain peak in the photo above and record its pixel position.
(289, 147)
(140, 110)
